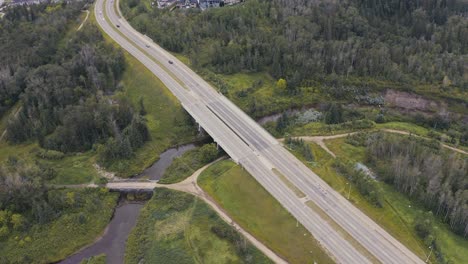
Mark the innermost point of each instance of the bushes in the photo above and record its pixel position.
(364, 183)
(84, 213)
(49, 154)
(300, 146)
(208, 153)
(357, 139)
(182, 167)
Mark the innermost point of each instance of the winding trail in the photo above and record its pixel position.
(84, 21)
(188, 185)
(319, 140)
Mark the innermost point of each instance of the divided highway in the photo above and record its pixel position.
(347, 234)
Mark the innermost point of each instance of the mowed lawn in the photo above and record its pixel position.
(259, 213)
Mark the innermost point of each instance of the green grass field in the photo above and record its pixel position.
(176, 227)
(404, 126)
(71, 231)
(259, 213)
(398, 213)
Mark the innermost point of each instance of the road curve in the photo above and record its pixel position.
(356, 240)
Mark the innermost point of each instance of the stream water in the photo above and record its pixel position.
(112, 243)
(156, 171)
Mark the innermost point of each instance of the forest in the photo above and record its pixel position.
(405, 42)
(35, 218)
(62, 84)
(425, 172)
(325, 55)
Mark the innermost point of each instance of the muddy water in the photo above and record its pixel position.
(112, 243)
(156, 171)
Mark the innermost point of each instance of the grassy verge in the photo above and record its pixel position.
(260, 214)
(385, 216)
(75, 228)
(176, 227)
(398, 213)
(166, 119)
(409, 127)
(320, 128)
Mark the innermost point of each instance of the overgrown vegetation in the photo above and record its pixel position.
(406, 218)
(63, 85)
(300, 146)
(235, 190)
(176, 227)
(192, 160)
(364, 183)
(425, 173)
(271, 56)
(34, 219)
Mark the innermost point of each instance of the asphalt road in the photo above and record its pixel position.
(347, 234)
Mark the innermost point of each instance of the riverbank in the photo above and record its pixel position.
(112, 242)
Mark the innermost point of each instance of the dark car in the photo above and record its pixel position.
(170, 62)
(118, 26)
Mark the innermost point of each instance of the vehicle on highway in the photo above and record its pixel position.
(117, 26)
(170, 62)
(147, 45)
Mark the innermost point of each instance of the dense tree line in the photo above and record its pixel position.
(29, 38)
(63, 83)
(401, 41)
(25, 199)
(422, 170)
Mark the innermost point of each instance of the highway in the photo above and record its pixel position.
(348, 235)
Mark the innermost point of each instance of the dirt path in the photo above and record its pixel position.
(84, 21)
(189, 185)
(14, 115)
(319, 140)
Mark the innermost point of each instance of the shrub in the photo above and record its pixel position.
(309, 116)
(208, 152)
(50, 154)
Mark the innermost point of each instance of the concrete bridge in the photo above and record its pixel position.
(305, 195)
